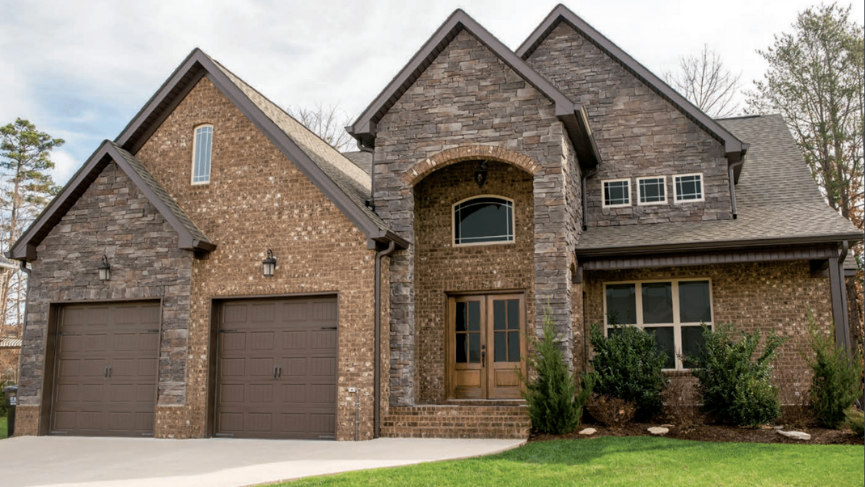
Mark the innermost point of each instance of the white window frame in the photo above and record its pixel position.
(454, 222)
(195, 154)
(676, 324)
(676, 188)
(604, 196)
(639, 194)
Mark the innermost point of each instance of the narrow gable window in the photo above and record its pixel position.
(484, 219)
(201, 154)
(617, 192)
(689, 187)
(652, 190)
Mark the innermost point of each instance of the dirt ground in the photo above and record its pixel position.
(819, 436)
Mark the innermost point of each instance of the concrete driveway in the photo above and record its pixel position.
(138, 462)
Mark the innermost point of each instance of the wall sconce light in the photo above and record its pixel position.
(269, 264)
(104, 269)
(481, 174)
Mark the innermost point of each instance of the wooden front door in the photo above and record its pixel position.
(486, 342)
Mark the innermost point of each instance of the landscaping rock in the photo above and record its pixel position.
(588, 431)
(658, 431)
(796, 435)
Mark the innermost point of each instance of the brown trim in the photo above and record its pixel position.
(212, 368)
(106, 301)
(570, 114)
(49, 370)
(734, 148)
(838, 292)
(689, 259)
(25, 247)
(276, 296)
(485, 292)
(830, 239)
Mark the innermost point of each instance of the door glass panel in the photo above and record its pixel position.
(461, 348)
(475, 316)
(474, 348)
(514, 314)
(692, 343)
(501, 346)
(657, 302)
(621, 304)
(461, 317)
(499, 315)
(664, 342)
(513, 346)
(694, 306)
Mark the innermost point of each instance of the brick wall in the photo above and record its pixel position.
(638, 133)
(442, 267)
(468, 97)
(257, 199)
(115, 218)
(755, 296)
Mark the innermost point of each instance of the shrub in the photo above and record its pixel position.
(732, 384)
(611, 411)
(835, 384)
(555, 404)
(855, 421)
(627, 365)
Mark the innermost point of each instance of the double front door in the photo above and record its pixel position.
(486, 342)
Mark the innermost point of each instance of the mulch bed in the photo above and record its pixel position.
(721, 433)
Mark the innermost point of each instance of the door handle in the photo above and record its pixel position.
(274, 371)
(483, 355)
(279, 374)
(105, 372)
(109, 371)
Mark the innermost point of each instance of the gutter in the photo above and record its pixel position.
(377, 359)
(587, 175)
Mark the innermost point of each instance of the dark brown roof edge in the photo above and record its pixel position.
(715, 245)
(576, 125)
(199, 64)
(733, 147)
(25, 247)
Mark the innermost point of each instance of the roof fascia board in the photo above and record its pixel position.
(726, 244)
(733, 147)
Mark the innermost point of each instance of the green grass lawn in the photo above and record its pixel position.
(631, 461)
(2, 427)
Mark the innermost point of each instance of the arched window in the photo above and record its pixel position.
(483, 219)
(201, 154)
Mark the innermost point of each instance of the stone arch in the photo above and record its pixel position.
(445, 158)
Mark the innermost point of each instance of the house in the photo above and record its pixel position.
(218, 270)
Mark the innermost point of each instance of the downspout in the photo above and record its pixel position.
(838, 292)
(377, 360)
(587, 175)
(845, 248)
(733, 167)
(26, 303)
(370, 203)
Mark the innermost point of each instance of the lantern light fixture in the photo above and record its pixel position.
(104, 269)
(269, 264)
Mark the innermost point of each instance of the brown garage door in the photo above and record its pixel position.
(105, 380)
(277, 369)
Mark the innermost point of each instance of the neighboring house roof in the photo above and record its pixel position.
(572, 115)
(361, 159)
(734, 147)
(10, 343)
(778, 203)
(341, 181)
(7, 264)
(190, 236)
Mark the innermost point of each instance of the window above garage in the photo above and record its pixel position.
(483, 220)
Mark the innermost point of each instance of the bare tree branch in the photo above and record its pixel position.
(705, 81)
(327, 122)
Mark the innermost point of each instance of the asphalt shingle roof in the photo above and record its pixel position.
(776, 199)
(360, 159)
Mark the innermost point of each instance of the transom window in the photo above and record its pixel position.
(689, 187)
(652, 190)
(617, 192)
(201, 154)
(674, 310)
(484, 219)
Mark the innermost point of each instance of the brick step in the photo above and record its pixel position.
(415, 432)
(457, 421)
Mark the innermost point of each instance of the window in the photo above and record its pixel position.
(617, 192)
(653, 191)
(688, 187)
(483, 219)
(672, 309)
(201, 154)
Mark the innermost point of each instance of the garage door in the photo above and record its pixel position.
(277, 369)
(105, 380)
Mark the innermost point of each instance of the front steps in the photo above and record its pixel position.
(457, 421)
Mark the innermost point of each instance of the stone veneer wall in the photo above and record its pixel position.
(755, 296)
(112, 217)
(638, 134)
(257, 199)
(468, 97)
(442, 268)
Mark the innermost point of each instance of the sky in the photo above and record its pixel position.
(81, 70)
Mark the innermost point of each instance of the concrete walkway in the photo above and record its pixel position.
(139, 462)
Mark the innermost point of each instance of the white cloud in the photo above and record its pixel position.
(65, 165)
